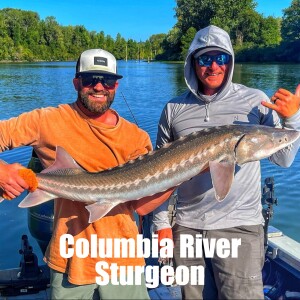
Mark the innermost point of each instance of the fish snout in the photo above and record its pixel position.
(286, 137)
(295, 135)
(262, 144)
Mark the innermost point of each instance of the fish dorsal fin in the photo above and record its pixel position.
(63, 160)
(98, 211)
(222, 174)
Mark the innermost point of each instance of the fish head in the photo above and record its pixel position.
(260, 142)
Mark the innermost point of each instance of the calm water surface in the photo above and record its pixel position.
(146, 87)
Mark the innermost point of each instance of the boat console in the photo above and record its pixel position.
(28, 279)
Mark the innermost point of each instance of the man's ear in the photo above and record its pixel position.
(76, 83)
(116, 85)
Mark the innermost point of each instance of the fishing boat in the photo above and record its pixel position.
(31, 279)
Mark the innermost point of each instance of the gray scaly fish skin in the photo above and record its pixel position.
(166, 167)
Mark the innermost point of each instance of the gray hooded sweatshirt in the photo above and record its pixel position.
(192, 111)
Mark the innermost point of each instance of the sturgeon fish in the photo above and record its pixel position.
(218, 148)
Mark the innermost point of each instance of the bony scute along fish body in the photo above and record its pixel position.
(220, 148)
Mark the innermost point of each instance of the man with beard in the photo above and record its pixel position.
(98, 139)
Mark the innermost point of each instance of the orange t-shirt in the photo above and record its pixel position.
(95, 147)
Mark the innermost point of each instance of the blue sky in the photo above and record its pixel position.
(136, 19)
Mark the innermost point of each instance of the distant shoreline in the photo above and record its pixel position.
(153, 61)
(31, 61)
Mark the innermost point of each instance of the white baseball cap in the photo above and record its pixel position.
(97, 62)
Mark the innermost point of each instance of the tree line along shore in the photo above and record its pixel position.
(25, 37)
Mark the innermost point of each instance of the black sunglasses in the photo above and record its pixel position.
(91, 80)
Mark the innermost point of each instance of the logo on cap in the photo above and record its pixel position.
(101, 61)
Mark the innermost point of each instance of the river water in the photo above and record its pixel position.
(146, 87)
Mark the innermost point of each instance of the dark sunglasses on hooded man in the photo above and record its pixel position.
(206, 60)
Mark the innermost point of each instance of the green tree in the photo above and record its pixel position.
(132, 49)
(11, 20)
(147, 50)
(290, 29)
(120, 47)
(186, 40)
(156, 41)
(248, 29)
(201, 13)
(109, 43)
(30, 28)
(227, 14)
(71, 50)
(270, 31)
(5, 40)
(93, 39)
(193, 13)
(24, 36)
(101, 39)
(171, 45)
(54, 38)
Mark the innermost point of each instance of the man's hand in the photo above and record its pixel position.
(284, 103)
(10, 181)
(165, 233)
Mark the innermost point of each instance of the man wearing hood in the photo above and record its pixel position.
(212, 99)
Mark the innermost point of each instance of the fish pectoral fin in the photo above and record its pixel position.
(36, 198)
(99, 210)
(222, 174)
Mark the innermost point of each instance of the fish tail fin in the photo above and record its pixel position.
(35, 198)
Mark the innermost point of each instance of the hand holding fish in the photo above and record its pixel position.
(10, 180)
(284, 103)
(165, 233)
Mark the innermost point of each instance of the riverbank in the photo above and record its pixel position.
(284, 53)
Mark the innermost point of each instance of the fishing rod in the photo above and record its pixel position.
(129, 109)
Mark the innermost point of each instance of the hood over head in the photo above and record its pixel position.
(210, 38)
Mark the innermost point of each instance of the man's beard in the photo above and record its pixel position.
(94, 106)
